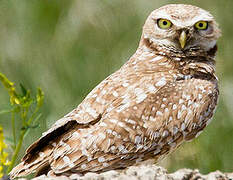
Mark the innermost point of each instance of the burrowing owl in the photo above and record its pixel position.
(163, 95)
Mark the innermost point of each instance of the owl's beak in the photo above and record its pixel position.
(182, 39)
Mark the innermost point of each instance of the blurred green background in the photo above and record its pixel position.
(68, 47)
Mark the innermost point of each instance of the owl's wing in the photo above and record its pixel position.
(83, 116)
(82, 145)
(88, 113)
(145, 122)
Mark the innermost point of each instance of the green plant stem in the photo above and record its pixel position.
(33, 116)
(13, 126)
(24, 115)
(19, 144)
(35, 120)
(17, 149)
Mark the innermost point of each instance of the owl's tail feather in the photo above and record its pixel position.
(37, 165)
(39, 153)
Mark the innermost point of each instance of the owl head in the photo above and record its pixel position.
(179, 28)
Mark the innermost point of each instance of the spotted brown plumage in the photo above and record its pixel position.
(163, 95)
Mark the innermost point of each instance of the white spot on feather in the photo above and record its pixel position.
(141, 98)
(103, 124)
(89, 158)
(177, 59)
(179, 115)
(165, 133)
(188, 97)
(151, 88)
(163, 106)
(159, 113)
(84, 152)
(170, 118)
(175, 130)
(155, 134)
(115, 94)
(101, 159)
(113, 121)
(190, 102)
(103, 92)
(182, 127)
(183, 107)
(199, 96)
(66, 159)
(157, 58)
(174, 106)
(41, 154)
(138, 140)
(105, 164)
(121, 124)
(90, 110)
(125, 104)
(113, 148)
(83, 166)
(138, 91)
(121, 148)
(94, 95)
(130, 121)
(152, 118)
(125, 84)
(161, 82)
(181, 101)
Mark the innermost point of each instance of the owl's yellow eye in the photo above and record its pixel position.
(164, 23)
(201, 25)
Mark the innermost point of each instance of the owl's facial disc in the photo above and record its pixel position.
(181, 28)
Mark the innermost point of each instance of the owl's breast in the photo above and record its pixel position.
(178, 112)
